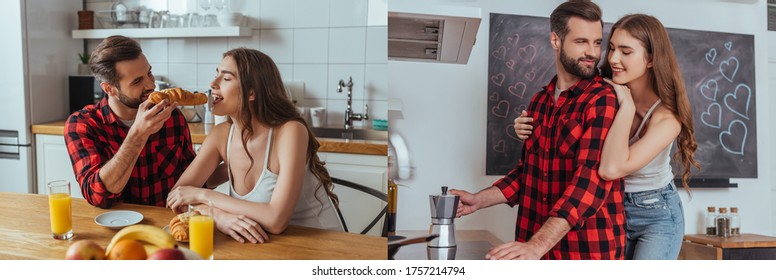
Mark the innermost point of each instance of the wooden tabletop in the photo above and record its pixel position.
(745, 240)
(330, 145)
(25, 234)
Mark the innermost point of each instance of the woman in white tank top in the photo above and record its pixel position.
(654, 111)
(269, 154)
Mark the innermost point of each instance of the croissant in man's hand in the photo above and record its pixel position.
(182, 96)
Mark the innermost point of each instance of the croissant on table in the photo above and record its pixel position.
(179, 225)
(182, 96)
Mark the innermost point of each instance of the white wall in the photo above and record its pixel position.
(317, 42)
(444, 109)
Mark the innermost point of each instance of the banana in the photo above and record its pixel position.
(150, 249)
(149, 234)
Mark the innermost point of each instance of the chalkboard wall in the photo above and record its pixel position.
(718, 70)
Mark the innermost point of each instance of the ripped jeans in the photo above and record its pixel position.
(654, 224)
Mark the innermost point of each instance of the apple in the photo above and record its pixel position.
(167, 254)
(85, 250)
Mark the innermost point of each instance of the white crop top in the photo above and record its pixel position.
(314, 207)
(657, 173)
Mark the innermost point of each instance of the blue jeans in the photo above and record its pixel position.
(654, 224)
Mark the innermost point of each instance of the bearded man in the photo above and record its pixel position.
(125, 149)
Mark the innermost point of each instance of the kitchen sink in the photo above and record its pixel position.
(354, 134)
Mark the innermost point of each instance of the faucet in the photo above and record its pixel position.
(349, 115)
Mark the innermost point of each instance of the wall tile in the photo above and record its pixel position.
(251, 9)
(161, 72)
(311, 45)
(253, 42)
(345, 13)
(315, 78)
(347, 45)
(183, 75)
(377, 44)
(155, 50)
(376, 82)
(211, 50)
(277, 14)
(182, 50)
(286, 71)
(378, 13)
(378, 110)
(343, 72)
(311, 13)
(278, 44)
(205, 75)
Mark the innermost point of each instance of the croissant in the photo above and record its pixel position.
(179, 225)
(182, 96)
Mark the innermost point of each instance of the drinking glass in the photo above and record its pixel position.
(219, 4)
(205, 4)
(60, 212)
(201, 231)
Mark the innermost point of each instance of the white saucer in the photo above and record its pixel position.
(118, 219)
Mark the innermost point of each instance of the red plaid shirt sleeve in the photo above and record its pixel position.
(87, 159)
(586, 193)
(509, 185)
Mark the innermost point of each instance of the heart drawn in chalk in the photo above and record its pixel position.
(493, 96)
(519, 109)
(500, 53)
(500, 146)
(517, 89)
(728, 45)
(501, 109)
(711, 56)
(729, 68)
(530, 75)
(734, 103)
(709, 87)
(510, 129)
(712, 117)
(734, 141)
(497, 79)
(527, 53)
(510, 64)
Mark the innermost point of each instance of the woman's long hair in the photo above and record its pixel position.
(271, 106)
(666, 80)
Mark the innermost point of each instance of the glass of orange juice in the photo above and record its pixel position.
(201, 231)
(59, 210)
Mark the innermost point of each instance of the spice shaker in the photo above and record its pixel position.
(735, 222)
(711, 221)
(723, 223)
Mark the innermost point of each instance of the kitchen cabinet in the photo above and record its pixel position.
(358, 208)
(144, 33)
(53, 163)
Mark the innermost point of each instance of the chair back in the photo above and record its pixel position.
(357, 192)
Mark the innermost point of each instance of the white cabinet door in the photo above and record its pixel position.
(359, 208)
(53, 163)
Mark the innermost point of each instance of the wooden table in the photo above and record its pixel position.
(744, 247)
(25, 233)
(471, 245)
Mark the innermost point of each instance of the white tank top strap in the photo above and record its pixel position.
(646, 118)
(228, 162)
(266, 154)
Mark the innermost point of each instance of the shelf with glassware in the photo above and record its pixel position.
(142, 33)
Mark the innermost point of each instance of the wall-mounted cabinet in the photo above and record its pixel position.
(141, 33)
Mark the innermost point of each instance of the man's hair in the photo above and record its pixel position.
(110, 51)
(584, 9)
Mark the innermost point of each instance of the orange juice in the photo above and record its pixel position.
(59, 209)
(201, 235)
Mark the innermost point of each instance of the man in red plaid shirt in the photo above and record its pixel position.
(125, 149)
(566, 210)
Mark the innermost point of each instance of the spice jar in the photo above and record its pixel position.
(735, 222)
(723, 223)
(711, 221)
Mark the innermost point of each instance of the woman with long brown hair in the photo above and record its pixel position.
(654, 111)
(275, 175)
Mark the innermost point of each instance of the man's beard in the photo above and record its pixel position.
(573, 66)
(130, 102)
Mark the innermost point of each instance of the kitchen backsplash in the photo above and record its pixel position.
(317, 42)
